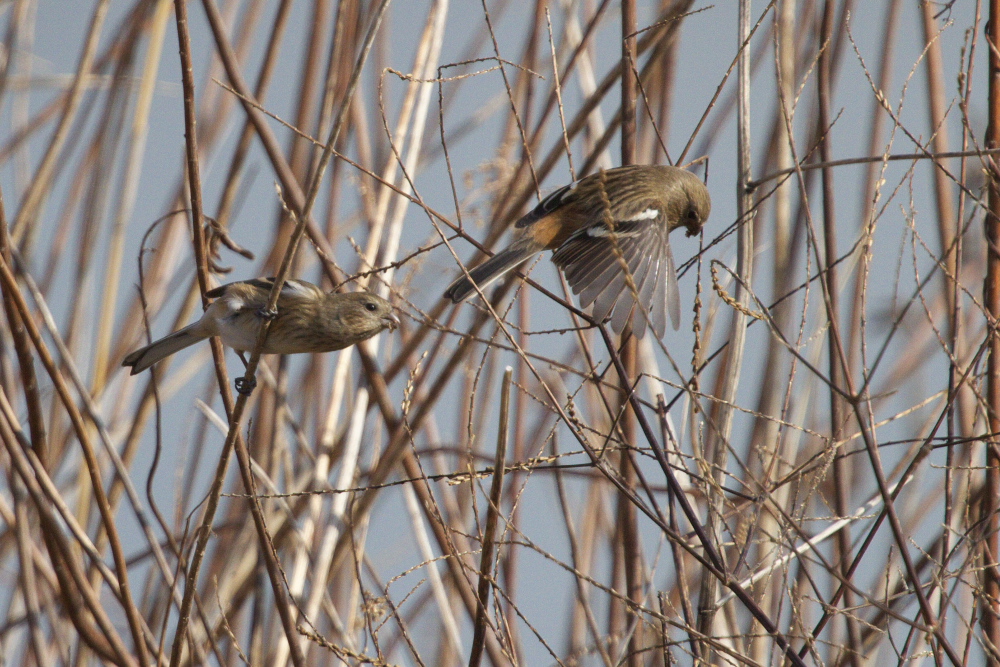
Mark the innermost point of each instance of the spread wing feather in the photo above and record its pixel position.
(654, 275)
(671, 300)
(628, 298)
(259, 289)
(633, 257)
(593, 269)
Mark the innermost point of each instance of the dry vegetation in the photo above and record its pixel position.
(801, 475)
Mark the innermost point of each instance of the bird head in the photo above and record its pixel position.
(361, 315)
(699, 205)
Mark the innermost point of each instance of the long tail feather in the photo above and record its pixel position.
(145, 357)
(490, 270)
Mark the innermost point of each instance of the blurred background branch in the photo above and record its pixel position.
(806, 471)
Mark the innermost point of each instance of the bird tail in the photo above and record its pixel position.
(145, 357)
(492, 269)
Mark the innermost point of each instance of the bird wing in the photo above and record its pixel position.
(619, 185)
(547, 205)
(235, 314)
(251, 295)
(593, 259)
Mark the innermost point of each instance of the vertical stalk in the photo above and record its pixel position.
(25, 226)
(734, 361)
(939, 141)
(492, 515)
(771, 443)
(137, 145)
(990, 508)
(627, 520)
(838, 411)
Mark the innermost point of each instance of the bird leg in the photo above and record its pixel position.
(242, 385)
(245, 387)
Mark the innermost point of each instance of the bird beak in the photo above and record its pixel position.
(391, 321)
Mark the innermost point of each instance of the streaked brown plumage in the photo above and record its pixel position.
(308, 320)
(622, 214)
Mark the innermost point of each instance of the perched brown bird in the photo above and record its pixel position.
(308, 320)
(621, 215)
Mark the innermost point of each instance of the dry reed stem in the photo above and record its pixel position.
(836, 540)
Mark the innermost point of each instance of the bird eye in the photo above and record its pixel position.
(370, 306)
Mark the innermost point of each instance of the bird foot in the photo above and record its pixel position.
(245, 386)
(266, 314)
